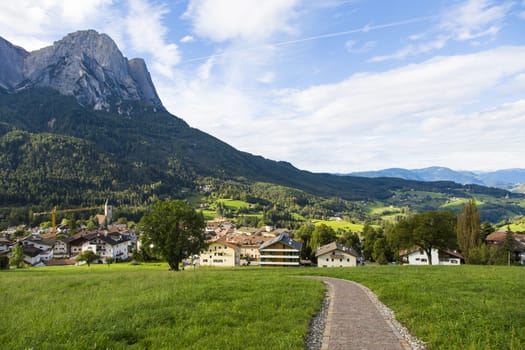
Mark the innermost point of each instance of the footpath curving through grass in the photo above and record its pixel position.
(450, 307)
(148, 307)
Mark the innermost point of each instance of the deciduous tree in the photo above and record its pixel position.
(468, 229)
(351, 240)
(428, 230)
(322, 235)
(88, 256)
(175, 229)
(305, 234)
(17, 257)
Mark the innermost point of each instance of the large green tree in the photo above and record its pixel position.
(175, 230)
(370, 235)
(350, 240)
(88, 256)
(17, 256)
(321, 235)
(428, 230)
(468, 229)
(305, 234)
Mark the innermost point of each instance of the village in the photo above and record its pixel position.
(228, 246)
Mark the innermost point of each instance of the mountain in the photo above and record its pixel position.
(80, 123)
(506, 179)
(84, 64)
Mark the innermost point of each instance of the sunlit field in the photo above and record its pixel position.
(149, 307)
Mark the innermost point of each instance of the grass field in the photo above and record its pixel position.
(516, 227)
(345, 225)
(148, 307)
(233, 203)
(460, 202)
(460, 307)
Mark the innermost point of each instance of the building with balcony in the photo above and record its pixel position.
(280, 251)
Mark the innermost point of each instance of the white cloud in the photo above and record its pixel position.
(475, 19)
(266, 77)
(471, 21)
(34, 24)
(353, 46)
(148, 35)
(251, 20)
(412, 116)
(412, 50)
(187, 39)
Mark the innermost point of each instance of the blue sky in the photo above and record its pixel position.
(330, 86)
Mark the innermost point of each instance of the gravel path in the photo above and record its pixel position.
(314, 338)
(351, 317)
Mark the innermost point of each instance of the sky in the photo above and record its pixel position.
(328, 85)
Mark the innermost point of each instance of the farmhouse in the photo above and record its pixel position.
(35, 256)
(61, 248)
(517, 242)
(220, 253)
(280, 251)
(336, 255)
(107, 246)
(37, 242)
(417, 256)
(5, 244)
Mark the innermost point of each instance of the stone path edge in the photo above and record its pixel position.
(406, 340)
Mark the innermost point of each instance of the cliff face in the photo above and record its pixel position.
(85, 64)
(11, 64)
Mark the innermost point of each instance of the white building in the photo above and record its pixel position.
(336, 255)
(107, 246)
(220, 253)
(40, 243)
(4, 245)
(61, 248)
(417, 256)
(35, 256)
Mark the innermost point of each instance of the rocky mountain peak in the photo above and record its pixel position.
(85, 64)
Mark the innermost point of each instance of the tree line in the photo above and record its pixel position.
(441, 230)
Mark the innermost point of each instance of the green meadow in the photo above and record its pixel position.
(149, 307)
(450, 307)
(344, 225)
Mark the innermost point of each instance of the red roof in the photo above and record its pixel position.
(498, 236)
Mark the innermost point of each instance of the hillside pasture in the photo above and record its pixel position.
(340, 225)
(460, 202)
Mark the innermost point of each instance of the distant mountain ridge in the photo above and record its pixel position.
(506, 179)
(84, 64)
